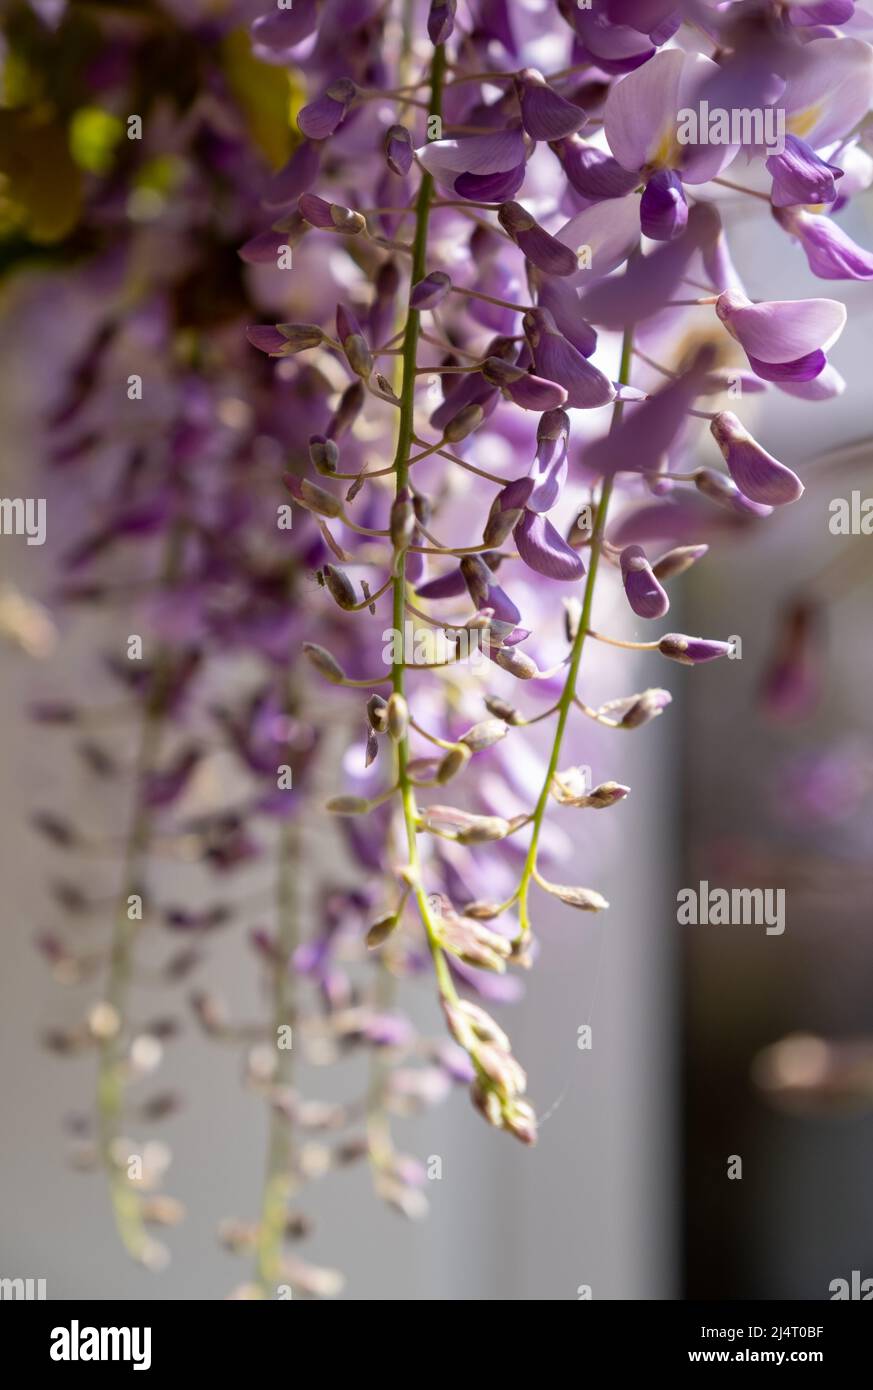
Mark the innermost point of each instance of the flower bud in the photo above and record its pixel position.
(348, 410)
(354, 344)
(516, 662)
(377, 713)
(340, 587)
(455, 761)
(484, 735)
(677, 561)
(756, 473)
(502, 709)
(402, 523)
(397, 717)
(465, 422)
(312, 497)
(431, 291)
(301, 336)
(691, 651)
(330, 217)
(398, 150)
(323, 454)
(725, 493)
(644, 594)
(324, 663)
(381, 930)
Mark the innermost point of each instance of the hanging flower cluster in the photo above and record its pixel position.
(503, 201)
(436, 326)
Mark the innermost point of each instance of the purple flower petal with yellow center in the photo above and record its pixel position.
(830, 89)
(756, 473)
(593, 173)
(639, 119)
(781, 330)
(321, 118)
(830, 252)
(544, 550)
(430, 291)
(545, 114)
(557, 360)
(799, 176)
(542, 250)
(663, 209)
(645, 595)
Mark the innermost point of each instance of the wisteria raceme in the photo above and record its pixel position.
(460, 343)
(556, 207)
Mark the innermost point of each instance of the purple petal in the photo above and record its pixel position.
(781, 330)
(756, 473)
(548, 472)
(594, 174)
(562, 302)
(545, 114)
(606, 233)
(645, 595)
(805, 368)
(543, 250)
(649, 282)
(450, 585)
(288, 27)
(398, 150)
(544, 550)
(430, 291)
(832, 255)
(296, 177)
(490, 188)
(557, 359)
(640, 114)
(645, 433)
(320, 118)
(823, 387)
(473, 154)
(267, 338)
(799, 176)
(663, 209)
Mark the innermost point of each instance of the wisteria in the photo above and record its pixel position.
(409, 330)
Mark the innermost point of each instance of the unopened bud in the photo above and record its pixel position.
(381, 930)
(465, 422)
(484, 735)
(324, 663)
(397, 717)
(516, 662)
(455, 761)
(377, 713)
(678, 560)
(323, 454)
(402, 523)
(301, 336)
(502, 709)
(340, 587)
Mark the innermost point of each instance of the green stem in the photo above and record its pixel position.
(568, 694)
(278, 1181)
(401, 466)
(125, 1199)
